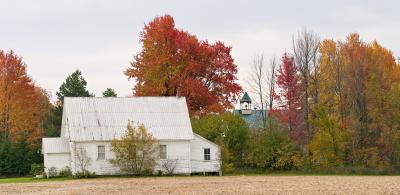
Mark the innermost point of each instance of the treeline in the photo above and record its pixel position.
(331, 104)
(27, 114)
(23, 107)
(335, 108)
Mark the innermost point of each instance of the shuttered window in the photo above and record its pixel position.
(207, 154)
(163, 151)
(101, 152)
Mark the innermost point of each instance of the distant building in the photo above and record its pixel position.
(252, 115)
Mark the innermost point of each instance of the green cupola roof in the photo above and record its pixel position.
(245, 98)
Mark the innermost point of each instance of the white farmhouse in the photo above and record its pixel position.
(89, 124)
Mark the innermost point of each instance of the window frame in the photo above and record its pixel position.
(205, 155)
(165, 152)
(103, 152)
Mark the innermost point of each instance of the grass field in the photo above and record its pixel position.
(210, 185)
(28, 180)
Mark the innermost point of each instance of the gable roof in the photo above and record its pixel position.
(206, 140)
(103, 119)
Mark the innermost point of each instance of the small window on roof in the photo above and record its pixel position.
(207, 155)
(101, 152)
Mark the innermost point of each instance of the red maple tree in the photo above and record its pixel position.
(288, 98)
(173, 62)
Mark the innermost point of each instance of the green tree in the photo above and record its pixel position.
(328, 144)
(73, 86)
(52, 122)
(23, 155)
(109, 92)
(272, 148)
(7, 158)
(136, 151)
(227, 129)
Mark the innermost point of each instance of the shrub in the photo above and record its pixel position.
(169, 166)
(136, 151)
(52, 172)
(84, 174)
(66, 172)
(36, 169)
(228, 168)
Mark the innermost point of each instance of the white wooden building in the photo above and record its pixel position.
(90, 124)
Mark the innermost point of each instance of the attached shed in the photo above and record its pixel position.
(56, 152)
(205, 155)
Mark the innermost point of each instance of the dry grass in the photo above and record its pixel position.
(215, 185)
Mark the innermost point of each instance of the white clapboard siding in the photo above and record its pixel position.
(58, 160)
(198, 164)
(100, 167)
(179, 150)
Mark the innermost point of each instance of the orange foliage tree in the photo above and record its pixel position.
(173, 62)
(360, 89)
(22, 103)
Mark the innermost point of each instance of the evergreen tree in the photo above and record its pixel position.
(22, 155)
(6, 157)
(52, 122)
(109, 92)
(74, 86)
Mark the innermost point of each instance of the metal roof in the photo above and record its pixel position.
(255, 119)
(55, 145)
(103, 119)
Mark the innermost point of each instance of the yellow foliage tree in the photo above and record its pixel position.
(136, 152)
(328, 144)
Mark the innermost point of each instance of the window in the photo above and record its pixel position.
(101, 152)
(163, 151)
(207, 154)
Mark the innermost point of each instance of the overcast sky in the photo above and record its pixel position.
(100, 37)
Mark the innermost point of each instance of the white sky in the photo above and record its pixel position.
(100, 37)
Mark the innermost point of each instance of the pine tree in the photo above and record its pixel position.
(109, 92)
(22, 155)
(7, 158)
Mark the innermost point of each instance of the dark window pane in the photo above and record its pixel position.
(207, 154)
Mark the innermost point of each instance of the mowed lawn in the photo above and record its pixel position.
(213, 185)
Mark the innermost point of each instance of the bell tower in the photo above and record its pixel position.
(245, 104)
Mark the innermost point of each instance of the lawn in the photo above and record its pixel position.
(28, 180)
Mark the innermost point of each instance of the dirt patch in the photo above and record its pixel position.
(215, 185)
